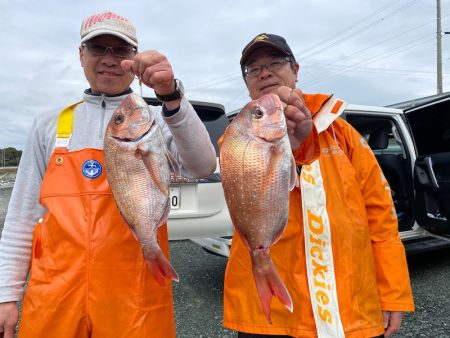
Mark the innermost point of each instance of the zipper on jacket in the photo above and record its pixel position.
(102, 120)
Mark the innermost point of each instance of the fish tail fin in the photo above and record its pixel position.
(161, 268)
(268, 282)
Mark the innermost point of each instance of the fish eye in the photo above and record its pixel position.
(119, 119)
(258, 113)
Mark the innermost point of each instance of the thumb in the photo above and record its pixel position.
(8, 333)
(386, 316)
(127, 65)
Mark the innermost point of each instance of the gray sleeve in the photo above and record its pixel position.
(23, 212)
(189, 141)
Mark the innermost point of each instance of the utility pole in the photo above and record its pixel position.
(439, 47)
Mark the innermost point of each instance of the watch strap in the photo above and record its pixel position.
(168, 113)
(171, 97)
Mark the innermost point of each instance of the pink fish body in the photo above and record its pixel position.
(138, 168)
(258, 171)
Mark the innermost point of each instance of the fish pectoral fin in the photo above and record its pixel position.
(173, 164)
(152, 161)
(293, 178)
(164, 216)
(268, 282)
(271, 170)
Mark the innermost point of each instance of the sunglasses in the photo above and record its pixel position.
(97, 49)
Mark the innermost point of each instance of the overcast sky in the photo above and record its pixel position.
(364, 51)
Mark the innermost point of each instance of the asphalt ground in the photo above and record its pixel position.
(198, 298)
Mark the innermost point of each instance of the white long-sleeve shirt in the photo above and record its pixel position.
(186, 137)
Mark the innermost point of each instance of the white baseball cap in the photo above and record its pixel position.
(108, 23)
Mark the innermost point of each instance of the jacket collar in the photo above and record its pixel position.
(89, 97)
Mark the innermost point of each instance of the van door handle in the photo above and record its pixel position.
(429, 164)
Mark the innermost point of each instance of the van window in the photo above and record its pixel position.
(430, 127)
(212, 115)
(384, 139)
(216, 128)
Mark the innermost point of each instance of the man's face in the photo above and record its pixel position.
(104, 73)
(269, 81)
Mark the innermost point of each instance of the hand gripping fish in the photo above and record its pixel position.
(138, 168)
(258, 171)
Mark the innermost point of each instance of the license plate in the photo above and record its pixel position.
(174, 197)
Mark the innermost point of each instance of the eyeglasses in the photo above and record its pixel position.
(97, 49)
(254, 71)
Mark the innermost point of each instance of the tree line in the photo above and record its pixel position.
(10, 157)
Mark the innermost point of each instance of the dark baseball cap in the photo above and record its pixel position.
(269, 40)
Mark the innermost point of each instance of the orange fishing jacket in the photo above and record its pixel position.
(366, 271)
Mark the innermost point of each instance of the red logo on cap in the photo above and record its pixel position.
(100, 17)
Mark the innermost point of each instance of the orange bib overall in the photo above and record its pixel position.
(88, 276)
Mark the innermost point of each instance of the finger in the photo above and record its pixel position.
(149, 61)
(291, 96)
(159, 76)
(389, 331)
(284, 92)
(386, 315)
(296, 99)
(9, 333)
(394, 323)
(290, 125)
(296, 115)
(127, 66)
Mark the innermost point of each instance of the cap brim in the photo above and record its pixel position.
(258, 44)
(98, 32)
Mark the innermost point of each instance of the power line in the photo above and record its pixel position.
(323, 45)
(373, 59)
(233, 77)
(383, 41)
(375, 69)
(214, 82)
(379, 57)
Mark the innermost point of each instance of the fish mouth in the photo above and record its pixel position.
(273, 133)
(136, 139)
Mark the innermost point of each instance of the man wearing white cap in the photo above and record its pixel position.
(88, 277)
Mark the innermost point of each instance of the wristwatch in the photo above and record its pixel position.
(179, 92)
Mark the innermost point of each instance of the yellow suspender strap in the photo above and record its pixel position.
(65, 125)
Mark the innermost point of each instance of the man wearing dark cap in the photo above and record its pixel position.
(88, 277)
(340, 255)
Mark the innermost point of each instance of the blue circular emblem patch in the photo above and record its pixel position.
(91, 169)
